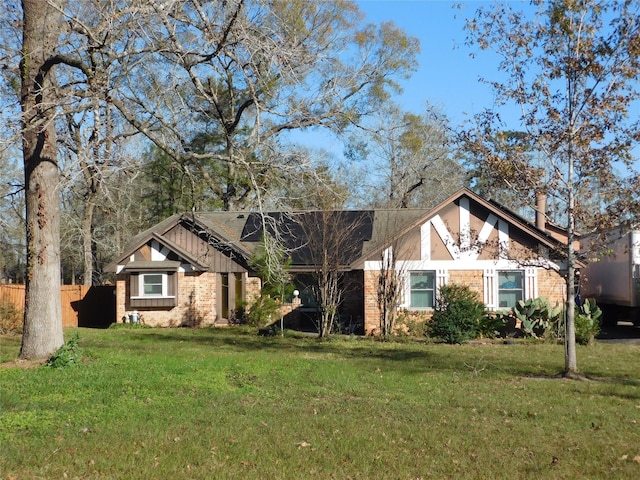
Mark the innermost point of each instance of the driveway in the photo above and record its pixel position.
(623, 332)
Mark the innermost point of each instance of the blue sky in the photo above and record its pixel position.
(446, 77)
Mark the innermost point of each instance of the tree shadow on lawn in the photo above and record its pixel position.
(413, 357)
(600, 381)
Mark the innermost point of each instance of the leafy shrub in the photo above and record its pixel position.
(67, 355)
(457, 314)
(10, 319)
(536, 315)
(587, 321)
(263, 311)
(494, 325)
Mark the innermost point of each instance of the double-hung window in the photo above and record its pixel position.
(510, 288)
(422, 289)
(154, 284)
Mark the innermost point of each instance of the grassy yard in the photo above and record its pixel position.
(225, 403)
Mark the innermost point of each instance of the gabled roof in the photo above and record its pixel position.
(368, 231)
(400, 222)
(157, 232)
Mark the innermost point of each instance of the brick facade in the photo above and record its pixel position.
(465, 240)
(551, 285)
(471, 278)
(371, 310)
(196, 302)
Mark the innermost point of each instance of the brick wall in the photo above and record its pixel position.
(371, 310)
(472, 278)
(196, 302)
(550, 285)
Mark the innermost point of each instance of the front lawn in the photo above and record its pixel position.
(226, 403)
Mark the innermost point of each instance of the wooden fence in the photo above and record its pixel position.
(13, 293)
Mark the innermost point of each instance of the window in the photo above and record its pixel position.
(153, 289)
(422, 286)
(152, 284)
(509, 288)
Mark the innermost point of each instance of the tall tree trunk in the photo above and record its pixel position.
(571, 363)
(42, 331)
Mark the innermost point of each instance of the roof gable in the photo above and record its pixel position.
(483, 225)
(182, 237)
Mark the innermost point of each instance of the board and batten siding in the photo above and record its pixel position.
(203, 251)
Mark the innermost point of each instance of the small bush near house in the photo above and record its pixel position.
(457, 314)
(264, 311)
(10, 319)
(496, 325)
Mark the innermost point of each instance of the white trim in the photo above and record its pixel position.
(487, 228)
(465, 226)
(425, 241)
(502, 264)
(474, 251)
(490, 291)
(503, 239)
(442, 278)
(446, 237)
(158, 252)
(387, 256)
(530, 283)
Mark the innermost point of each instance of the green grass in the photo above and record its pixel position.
(225, 403)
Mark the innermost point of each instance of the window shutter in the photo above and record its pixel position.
(490, 288)
(531, 283)
(134, 285)
(172, 284)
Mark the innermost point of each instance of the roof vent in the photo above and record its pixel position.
(241, 215)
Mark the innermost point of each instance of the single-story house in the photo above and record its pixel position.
(195, 268)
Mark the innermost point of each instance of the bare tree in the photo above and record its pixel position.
(389, 291)
(571, 71)
(333, 239)
(245, 71)
(242, 74)
(412, 157)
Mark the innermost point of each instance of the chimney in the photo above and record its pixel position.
(541, 210)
